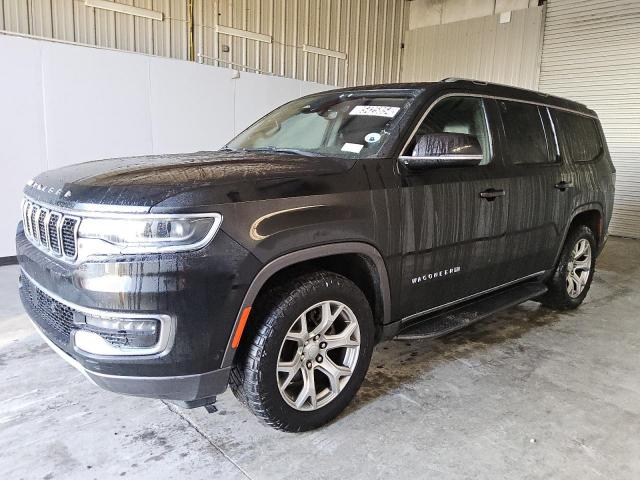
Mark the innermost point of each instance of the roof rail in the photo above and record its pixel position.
(482, 82)
(456, 79)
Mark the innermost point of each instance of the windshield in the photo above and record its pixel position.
(343, 124)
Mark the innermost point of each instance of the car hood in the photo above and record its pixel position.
(196, 178)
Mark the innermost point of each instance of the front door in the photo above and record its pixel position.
(453, 237)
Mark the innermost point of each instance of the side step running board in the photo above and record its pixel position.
(458, 317)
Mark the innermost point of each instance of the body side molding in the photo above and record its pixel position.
(300, 256)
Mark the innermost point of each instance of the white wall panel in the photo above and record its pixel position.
(22, 132)
(192, 106)
(254, 97)
(591, 54)
(424, 13)
(96, 104)
(481, 48)
(63, 104)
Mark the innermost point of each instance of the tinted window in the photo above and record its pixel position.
(580, 136)
(526, 140)
(458, 115)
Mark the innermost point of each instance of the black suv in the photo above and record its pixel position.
(337, 221)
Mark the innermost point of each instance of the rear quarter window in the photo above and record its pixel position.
(579, 135)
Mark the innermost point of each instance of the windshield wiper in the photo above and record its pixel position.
(290, 151)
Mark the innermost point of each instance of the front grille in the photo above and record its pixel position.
(54, 232)
(56, 315)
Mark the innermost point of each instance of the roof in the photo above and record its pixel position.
(483, 88)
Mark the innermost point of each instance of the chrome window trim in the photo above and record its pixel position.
(162, 347)
(443, 157)
(433, 104)
(555, 135)
(491, 97)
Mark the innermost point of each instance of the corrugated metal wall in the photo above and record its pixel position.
(591, 53)
(481, 48)
(72, 21)
(369, 32)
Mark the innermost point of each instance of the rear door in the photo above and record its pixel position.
(453, 238)
(540, 184)
(583, 146)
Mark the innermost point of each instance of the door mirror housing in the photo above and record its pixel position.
(444, 150)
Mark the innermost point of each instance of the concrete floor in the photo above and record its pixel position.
(529, 393)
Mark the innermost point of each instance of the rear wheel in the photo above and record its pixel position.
(572, 277)
(309, 352)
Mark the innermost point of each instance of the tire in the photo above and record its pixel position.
(563, 293)
(261, 377)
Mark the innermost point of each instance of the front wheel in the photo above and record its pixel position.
(308, 354)
(572, 277)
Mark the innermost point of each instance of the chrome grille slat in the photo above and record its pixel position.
(42, 227)
(69, 237)
(54, 232)
(35, 212)
(27, 216)
(24, 214)
(52, 228)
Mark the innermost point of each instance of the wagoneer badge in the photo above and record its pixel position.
(45, 188)
(431, 276)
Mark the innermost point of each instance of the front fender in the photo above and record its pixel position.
(299, 256)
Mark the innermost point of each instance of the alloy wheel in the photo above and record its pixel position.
(318, 355)
(578, 268)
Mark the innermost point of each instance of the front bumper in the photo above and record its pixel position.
(185, 390)
(199, 292)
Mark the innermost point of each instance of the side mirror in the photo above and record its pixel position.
(444, 150)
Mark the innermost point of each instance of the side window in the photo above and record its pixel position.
(457, 115)
(579, 135)
(526, 138)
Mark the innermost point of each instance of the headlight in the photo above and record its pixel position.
(149, 233)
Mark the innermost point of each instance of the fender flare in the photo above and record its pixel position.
(300, 256)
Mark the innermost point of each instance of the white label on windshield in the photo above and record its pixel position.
(352, 147)
(375, 111)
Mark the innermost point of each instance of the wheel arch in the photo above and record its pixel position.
(589, 214)
(319, 256)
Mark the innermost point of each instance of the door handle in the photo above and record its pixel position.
(491, 194)
(563, 185)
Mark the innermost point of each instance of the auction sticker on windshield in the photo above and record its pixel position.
(375, 110)
(352, 147)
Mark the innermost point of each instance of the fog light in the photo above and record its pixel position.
(117, 336)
